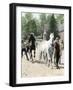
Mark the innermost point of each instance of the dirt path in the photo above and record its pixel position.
(38, 69)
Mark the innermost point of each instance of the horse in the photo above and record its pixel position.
(24, 48)
(46, 49)
(32, 46)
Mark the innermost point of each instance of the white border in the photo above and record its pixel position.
(20, 80)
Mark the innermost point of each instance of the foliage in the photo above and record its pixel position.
(31, 24)
(53, 28)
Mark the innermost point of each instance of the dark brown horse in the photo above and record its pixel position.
(24, 48)
(32, 45)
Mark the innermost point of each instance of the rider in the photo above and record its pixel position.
(32, 43)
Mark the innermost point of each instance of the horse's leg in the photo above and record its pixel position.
(51, 63)
(30, 53)
(40, 55)
(34, 53)
(26, 54)
(23, 50)
(44, 56)
(22, 53)
(48, 58)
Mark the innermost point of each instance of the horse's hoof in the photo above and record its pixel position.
(52, 67)
(48, 65)
(57, 67)
(32, 61)
(27, 59)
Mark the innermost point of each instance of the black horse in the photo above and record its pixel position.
(24, 48)
(32, 45)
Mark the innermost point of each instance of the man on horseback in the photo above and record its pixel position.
(32, 44)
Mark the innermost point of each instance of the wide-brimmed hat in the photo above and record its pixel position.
(57, 38)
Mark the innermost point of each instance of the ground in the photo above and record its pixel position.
(38, 69)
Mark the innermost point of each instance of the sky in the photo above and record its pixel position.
(36, 15)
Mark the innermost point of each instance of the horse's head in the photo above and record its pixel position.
(52, 36)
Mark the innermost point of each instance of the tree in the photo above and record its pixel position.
(60, 18)
(25, 18)
(28, 25)
(38, 24)
(28, 16)
(32, 27)
(23, 22)
(48, 31)
(43, 22)
(52, 26)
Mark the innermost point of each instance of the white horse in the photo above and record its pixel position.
(46, 49)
